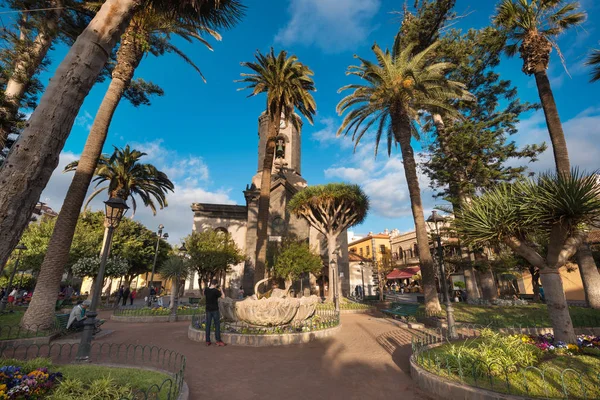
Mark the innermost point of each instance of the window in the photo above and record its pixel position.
(382, 248)
(277, 226)
(368, 250)
(353, 250)
(361, 252)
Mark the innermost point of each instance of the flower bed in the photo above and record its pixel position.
(23, 383)
(29, 380)
(530, 366)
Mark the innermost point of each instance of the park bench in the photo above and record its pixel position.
(61, 322)
(401, 310)
(194, 300)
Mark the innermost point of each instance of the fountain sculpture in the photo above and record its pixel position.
(277, 310)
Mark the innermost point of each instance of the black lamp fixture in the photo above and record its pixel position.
(115, 209)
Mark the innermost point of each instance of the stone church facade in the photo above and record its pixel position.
(241, 220)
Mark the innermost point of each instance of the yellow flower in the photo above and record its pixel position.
(573, 347)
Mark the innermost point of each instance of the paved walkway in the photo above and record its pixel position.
(368, 359)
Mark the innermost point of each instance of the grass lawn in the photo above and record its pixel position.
(136, 379)
(533, 315)
(10, 329)
(581, 375)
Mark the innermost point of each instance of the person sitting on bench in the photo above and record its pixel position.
(77, 316)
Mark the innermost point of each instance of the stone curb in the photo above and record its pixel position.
(358, 311)
(40, 340)
(441, 388)
(238, 339)
(149, 318)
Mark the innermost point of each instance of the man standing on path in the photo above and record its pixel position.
(212, 295)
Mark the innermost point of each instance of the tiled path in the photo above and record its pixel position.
(368, 359)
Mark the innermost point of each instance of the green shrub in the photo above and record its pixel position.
(102, 388)
(492, 353)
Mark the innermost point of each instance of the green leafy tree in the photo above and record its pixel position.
(175, 269)
(211, 253)
(331, 209)
(27, 42)
(294, 258)
(556, 207)
(287, 84)
(32, 164)
(397, 89)
(89, 267)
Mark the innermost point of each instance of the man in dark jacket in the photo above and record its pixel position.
(212, 294)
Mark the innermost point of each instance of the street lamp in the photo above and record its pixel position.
(20, 247)
(115, 208)
(333, 283)
(362, 275)
(182, 251)
(160, 236)
(433, 221)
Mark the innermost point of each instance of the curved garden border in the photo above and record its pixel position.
(359, 310)
(265, 340)
(149, 318)
(442, 388)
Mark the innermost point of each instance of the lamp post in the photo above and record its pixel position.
(362, 275)
(434, 219)
(160, 236)
(115, 209)
(20, 247)
(336, 298)
(182, 251)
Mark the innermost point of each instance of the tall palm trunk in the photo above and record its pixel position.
(128, 58)
(25, 67)
(488, 285)
(587, 265)
(402, 132)
(264, 201)
(34, 157)
(557, 136)
(589, 275)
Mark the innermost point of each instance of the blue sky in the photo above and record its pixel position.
(205, 135)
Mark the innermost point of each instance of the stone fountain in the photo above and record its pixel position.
(277, 310)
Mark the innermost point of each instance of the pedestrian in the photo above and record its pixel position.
(132, 296)
(126, 294)
(13, 295)
(120, 294)
(212, 295)
(241, 292)
(159, 300)
(68, 292)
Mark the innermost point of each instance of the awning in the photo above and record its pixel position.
(404, 273)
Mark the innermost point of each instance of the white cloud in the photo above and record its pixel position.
(84, 119)
(581, 132)
(327, 135)
(188, 173)
(383, 180)
(332, 25)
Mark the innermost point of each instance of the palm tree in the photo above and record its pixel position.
(533, 27)
(288, 84)
(331, 209)
(554, 207)
(174, 269)
(594, 61)
(124, 177)
(398, 88)
(27, 170)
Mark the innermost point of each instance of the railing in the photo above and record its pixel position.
(16, 331)
(323, 318)
(576, 379)
(142, 311)
(116, 355)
